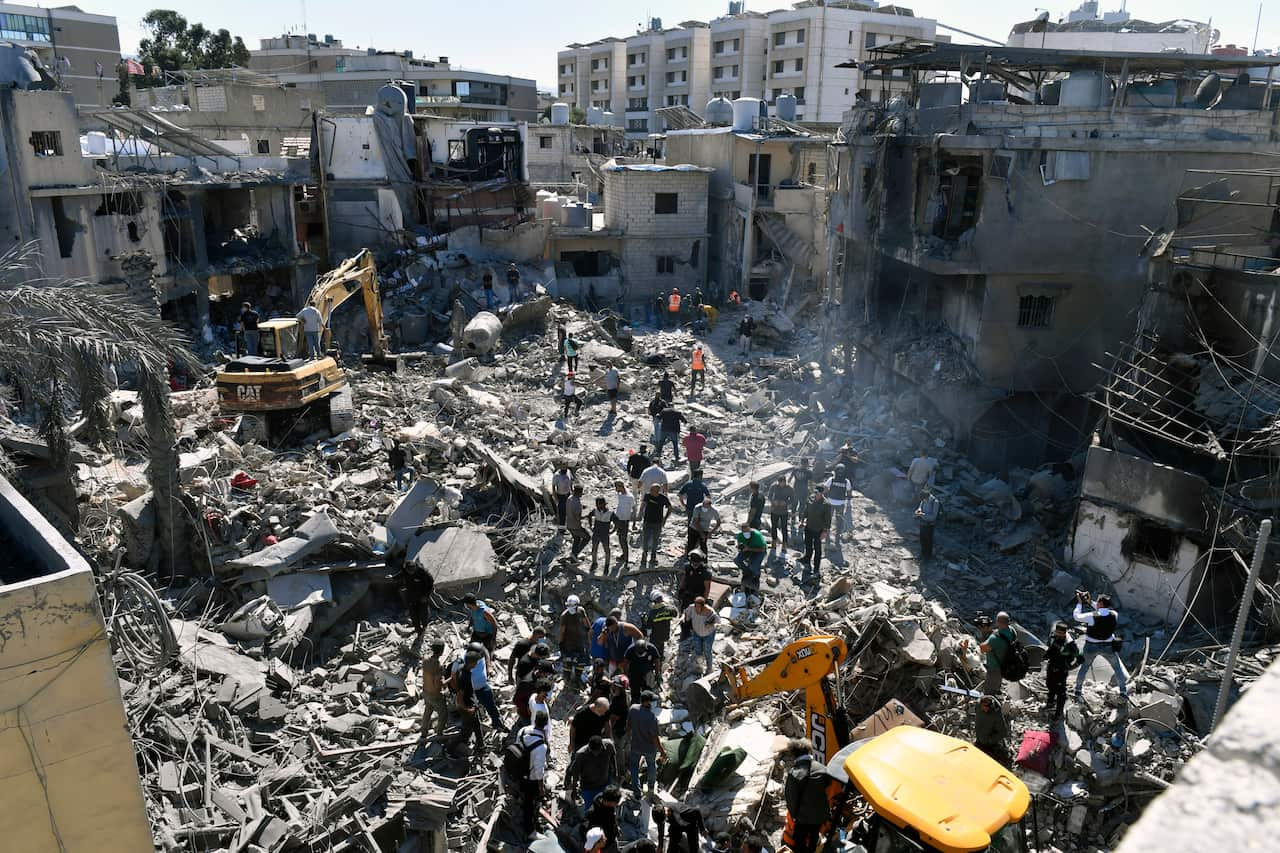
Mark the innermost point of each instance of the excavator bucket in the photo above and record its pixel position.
(388, 362)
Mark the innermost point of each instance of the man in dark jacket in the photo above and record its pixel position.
(990, 729)
(591, 769)
(806, 796)
(817, 521)
(1062, 656)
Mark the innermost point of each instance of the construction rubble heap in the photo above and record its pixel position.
(291, 716)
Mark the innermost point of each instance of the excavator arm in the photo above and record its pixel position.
(800, 665)
(356, 274)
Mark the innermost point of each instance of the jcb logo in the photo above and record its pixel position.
(818, 729)
(804, 653)
(249, 393)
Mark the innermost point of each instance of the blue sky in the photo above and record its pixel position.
(521, 37)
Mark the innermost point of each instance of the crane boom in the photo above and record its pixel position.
(357, 273)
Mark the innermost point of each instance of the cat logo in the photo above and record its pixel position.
(249, 393)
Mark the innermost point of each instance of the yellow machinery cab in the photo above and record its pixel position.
(944, 792)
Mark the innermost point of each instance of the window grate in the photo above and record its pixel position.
(1035, 312)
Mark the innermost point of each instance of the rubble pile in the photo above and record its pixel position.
(293, 717)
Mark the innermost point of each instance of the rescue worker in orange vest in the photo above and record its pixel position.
(673, 306)
(697, 370)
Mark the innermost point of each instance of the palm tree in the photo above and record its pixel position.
(58, 335)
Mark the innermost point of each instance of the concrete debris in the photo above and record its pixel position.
(294, 717)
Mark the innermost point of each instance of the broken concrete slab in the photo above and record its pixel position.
(202, 650)
(316, 532)
(892, 714)
(412, 510)
(764, 476)
(300, 589)
(456, 557)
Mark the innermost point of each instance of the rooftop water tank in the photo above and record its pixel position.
(745, 111)
(595, 116)
(1084, 89)
(719, 112)
(559, 113)
(607, 117)
(785, 107)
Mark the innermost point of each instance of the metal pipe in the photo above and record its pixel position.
(1246, 601)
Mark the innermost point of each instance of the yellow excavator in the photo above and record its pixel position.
(906, 790)
(284, 389)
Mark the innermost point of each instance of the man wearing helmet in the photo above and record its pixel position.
(575, 627)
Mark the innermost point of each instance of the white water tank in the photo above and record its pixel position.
(785, 106)
(95, 143)
(559, 113)
(595, 116)
(719, 112)
(745, 111)
(551, 208)
(1086, 89)
(608, 118)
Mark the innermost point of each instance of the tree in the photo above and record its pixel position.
(56, 338)
(577, 115)
(123, 97)
(174, 44)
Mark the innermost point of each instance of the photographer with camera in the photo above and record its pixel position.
(1099, 639)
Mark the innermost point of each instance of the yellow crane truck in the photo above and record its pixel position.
(284, 390)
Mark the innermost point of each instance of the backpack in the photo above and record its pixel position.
(1015, 663)
(517, 758)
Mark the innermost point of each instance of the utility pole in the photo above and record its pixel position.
(1246, 603)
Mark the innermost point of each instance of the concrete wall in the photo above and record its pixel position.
(1225, 796)
(231, 111)
(28, 112)
(70, 775)
(84, 39)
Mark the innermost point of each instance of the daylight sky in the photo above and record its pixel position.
(521, 37)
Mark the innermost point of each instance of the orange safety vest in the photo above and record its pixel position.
(673, 304)
(697, 360)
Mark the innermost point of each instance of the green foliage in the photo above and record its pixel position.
(174, 44)
(577, 115)
(122, 97)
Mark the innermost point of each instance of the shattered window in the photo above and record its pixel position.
(1035, 312)
(46, 143)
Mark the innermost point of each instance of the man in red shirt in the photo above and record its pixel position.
(694, 444)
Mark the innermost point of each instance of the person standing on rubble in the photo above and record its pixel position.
(646, 745)
(465, 697)
(994, 643)
(521, 660)
(658, 621)
(667, 388)
(695, 581)
(398, 459)
(562, 487)
(781, 496)
(417, 586)
(636, 463)
(591, 768)
(746, 329)
(312, 326)
(571, 348)
(533, 741)
(490, 301)
(669, 421)
(803, 483)
(569, 395)
(701, 619)
(624, 511)
(755, 506)
(591, 720)
(695, 445)
(673, 307)
(249, 326)
(612, 380)
(603, 815)
(656, 407)
(1099, 639)
(433, 701)
(839, 490)
(575, 628)
(654, 475)
(692, 492)
(922, 470)
(751, 553)
(640, 664)
(697, 370)
(484, 693)
(602, 521)
(704, 522)
(573, 522)
(513, 283)
(562, 335)
(655, 511)
(484, 625)
(990, 729)
(659, 308)
(927, 516)
(806, 797)
(817, 521)
(1062, 656)
(617, 638)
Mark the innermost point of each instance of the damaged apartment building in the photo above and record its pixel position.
(149, 205)
(992, 224)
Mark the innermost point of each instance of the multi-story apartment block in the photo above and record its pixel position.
(73, 44)
(593, 75)
(794, 51)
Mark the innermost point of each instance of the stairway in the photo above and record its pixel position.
(791, 245)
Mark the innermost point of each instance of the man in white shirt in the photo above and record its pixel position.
(654, 475)
(570, 395)
(611, 382)
(533, 740)
(1099, 639)
(312, 325)
(623, 513)
(921, 471)
(702, 621)
(839, 488)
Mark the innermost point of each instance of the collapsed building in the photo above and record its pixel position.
(989, 248)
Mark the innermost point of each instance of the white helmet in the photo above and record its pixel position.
(571, 602)
(656, 595)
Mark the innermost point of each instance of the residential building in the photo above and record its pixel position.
(216, 228)
(1113, 32)
(72, 43)
(990, 249)
(242, 111)
(567, 155)
(593, 75)
(71, 774)
(350, 80)
(797, 51)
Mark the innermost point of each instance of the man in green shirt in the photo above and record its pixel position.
(996, 644)
(752, 548)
